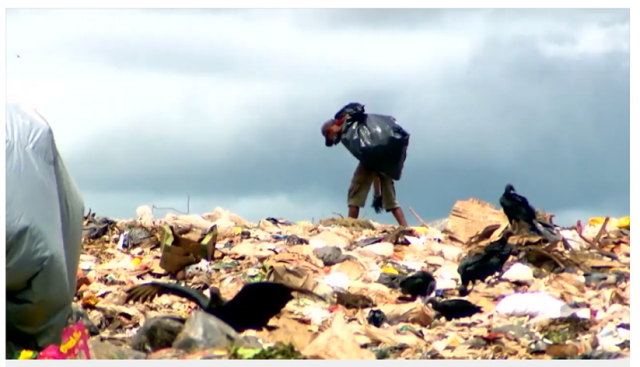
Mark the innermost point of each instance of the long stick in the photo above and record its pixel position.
(418, 218)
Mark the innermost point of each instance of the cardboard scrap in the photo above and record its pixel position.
(471, 216)
(337, 342)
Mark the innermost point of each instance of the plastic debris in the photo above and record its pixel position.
(542, 306)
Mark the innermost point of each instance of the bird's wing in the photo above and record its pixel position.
(407, 284)
(463, 265)
(256, 304)
(515, 204)
(524, 205)
(479, 267)
(495, 246)
(468, 305)
(271, 292)
(468, 262)
(517, 198)
(504, 202)
(146, 292)
(455, 303)
(509, 207)
(410, 280)
(427, 277)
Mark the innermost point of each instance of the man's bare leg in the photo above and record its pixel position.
(398, 214)
(354, 211)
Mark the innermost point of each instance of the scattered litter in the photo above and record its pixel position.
(381, 292)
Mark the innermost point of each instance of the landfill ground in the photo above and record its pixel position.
(586, 270)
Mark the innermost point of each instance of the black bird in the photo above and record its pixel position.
(517, 209)
(485, 264)
(251, 308)
(420, 284)
(454, 308)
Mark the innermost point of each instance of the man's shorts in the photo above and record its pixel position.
(361, 184)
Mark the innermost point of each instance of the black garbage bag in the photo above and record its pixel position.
(157, 333)
(378, 142)
(376, 318)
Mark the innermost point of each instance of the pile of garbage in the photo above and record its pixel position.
(565, 295)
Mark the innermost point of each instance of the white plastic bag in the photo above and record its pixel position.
(536, 304)
(44, 211)
(519, 273)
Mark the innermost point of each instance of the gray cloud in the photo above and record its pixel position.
(540, 108)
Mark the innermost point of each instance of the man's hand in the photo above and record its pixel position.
(377, 203)
(377, 195)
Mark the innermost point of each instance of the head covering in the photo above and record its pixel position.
(353, 109)
(327, 124)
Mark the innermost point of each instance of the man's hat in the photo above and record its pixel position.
(353, 109)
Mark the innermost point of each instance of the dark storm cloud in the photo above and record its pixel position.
(555, 128)
(222, 58)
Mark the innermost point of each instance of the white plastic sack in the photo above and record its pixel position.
(337, 280)
(519, 273)
(536, 304)
(574, 240)
(44, 232)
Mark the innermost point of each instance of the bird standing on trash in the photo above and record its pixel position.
(452, 309)
(485, 264)
(384, 189)
(251, 308)
(420, 284)
(517, 209)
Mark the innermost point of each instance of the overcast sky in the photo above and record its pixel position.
(225, 106)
